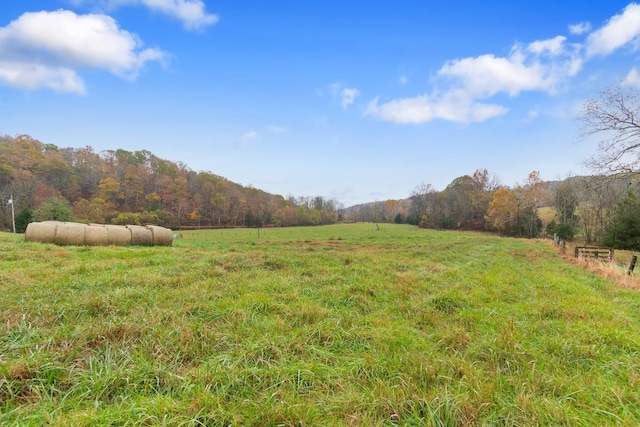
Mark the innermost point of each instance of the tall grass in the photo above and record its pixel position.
(619, 269)
(337, 325)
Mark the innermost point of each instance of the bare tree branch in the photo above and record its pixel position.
(615, 116)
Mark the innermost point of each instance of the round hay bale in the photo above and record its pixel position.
(96, 235)
(161, 236)
(43, 232)
(119, 235)
(70, 233)
(140, 235)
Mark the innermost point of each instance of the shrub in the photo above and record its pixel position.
(126, 218)
(54, 209)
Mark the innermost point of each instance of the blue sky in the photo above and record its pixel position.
(352, 100)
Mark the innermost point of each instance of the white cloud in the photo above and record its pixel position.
(632, 78)
(486, 75)
(619, 31)
(45, 49)
(192, 13)
(551, 47)
(246, 138)
(480, 112)
(34, 76)
(532, 114)
(580, 28)
(454, 106)
(348, 97)
(462, 85)
(541, 65)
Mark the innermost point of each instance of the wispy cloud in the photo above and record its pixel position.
(580, 28)
(192, 13)
(621, 30)
(463, 88)
(462, 85)
(454, 106)
(348, 96)
(345, 95)
(46, 49)
(632, 78)
(532, 114)
(247, 138)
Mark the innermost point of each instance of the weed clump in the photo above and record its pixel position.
(447, 304)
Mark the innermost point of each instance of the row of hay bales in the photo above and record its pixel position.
(73, 233)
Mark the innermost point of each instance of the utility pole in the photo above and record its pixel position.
(13, 213)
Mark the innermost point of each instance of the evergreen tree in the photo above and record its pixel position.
(552, 228)
(565, 231)
(23, 219)
(624, 231)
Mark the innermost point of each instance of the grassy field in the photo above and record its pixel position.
(326, 326)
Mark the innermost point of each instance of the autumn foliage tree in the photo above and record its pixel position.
(137, 187)
(514, 211)
(462, 205)
(116, 186)
(503, 210)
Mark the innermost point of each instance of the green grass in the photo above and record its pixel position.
(328, 326)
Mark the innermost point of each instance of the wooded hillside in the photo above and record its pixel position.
(124, 187)
(45, 182)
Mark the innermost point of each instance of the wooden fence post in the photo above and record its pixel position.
(632, 265)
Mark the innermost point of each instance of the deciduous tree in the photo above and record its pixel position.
(503, 210)
(54, 209)
(614, 117)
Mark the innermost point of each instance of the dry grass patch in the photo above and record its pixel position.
(617, 270)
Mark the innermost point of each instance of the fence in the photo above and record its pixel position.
(594, 252)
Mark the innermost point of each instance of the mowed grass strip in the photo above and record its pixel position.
(336, 325)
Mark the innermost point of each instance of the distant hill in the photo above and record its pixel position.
(120, 186)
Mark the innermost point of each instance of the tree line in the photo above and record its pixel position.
(476, 202)
(602, 209)
(599, 209)
(44, 182)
